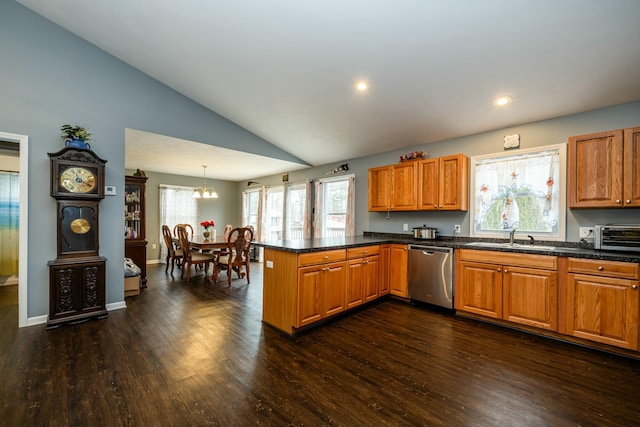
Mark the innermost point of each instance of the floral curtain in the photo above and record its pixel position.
(9, 222)
(518, 191)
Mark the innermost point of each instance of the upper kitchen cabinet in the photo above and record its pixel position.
(393, 188)
(443, 183)
(604, 169)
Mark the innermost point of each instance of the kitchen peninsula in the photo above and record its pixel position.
(309, 281)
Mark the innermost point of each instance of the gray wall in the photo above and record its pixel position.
(554, 131)
(50, 77)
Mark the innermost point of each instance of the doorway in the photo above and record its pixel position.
(10, 144)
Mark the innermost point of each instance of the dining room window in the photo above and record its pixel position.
(251, 208)
(273, 221)
(177, 206)
(298, 211)
(334, 207)
(523, 190)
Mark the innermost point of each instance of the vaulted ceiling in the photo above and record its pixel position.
(286, 69)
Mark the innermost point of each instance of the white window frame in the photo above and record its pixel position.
(319, 202)
(561, 188)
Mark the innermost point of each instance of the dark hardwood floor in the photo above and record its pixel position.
(196, 354)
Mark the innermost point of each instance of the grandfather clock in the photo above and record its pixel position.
(77, 275)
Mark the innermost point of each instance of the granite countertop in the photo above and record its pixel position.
(568, 249)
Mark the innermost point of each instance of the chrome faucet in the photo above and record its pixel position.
(511, 235)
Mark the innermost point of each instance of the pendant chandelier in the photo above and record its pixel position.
(204, 192)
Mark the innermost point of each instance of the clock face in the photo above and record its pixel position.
(77, 180)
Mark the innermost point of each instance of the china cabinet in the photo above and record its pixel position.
(134, 223)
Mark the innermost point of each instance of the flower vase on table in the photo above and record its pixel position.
(207, 224)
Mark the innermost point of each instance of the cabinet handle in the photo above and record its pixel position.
(325, 269)
(435, 206)
(366, 262)
(326, 257)
(499, 270)
(601, 268)
(618, 201)
(628, 201)
(506, 271)
(634, 287)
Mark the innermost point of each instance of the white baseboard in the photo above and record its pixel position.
(116, 306)
(154, 261)
(37, 320)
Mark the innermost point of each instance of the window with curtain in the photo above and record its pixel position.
(177, 206)
(525, 190)
(287, 214)
(335, 207)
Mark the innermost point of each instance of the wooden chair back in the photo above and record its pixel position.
(189, 257)
(187, 226)
(168, 240)
(235, 257)
(173, 254)
(227, 231)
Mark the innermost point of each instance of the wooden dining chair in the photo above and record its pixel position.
(235, 257)
(226, 231)
(173, 254)
(187, 226)
(190, 257)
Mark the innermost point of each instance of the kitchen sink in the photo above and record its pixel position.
(510, 246)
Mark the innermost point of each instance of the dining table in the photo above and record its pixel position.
(198, 241)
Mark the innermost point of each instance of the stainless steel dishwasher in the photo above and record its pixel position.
(430, 275)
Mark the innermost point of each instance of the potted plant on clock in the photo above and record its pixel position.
(75, 136)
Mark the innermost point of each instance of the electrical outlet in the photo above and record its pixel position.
(586, 232)
(154, 246)
(456, 229)
(405, 227)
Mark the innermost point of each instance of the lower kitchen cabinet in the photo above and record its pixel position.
(300, 289)
(603, 302)
(383, 271)
(398, 257)
(515, 287)
(363, 266)
(321, 292)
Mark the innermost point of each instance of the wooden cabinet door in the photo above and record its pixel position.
(398, 257)
(333, 284)
(355, 282)
(371, 277)
(595, 170)
(603, 309)
(479, 289)
(380, 188)
(530, 297)
(428, 184)
(404, 190)
(310, 304)
(383, 271)
(453, 192)
(632, 167)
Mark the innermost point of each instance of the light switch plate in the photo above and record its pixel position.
(269, 264)
(109, 190)
(405, 227)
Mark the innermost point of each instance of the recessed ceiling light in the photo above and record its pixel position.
(362, 86)
(502, 101)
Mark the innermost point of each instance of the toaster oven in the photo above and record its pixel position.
(617, 237)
